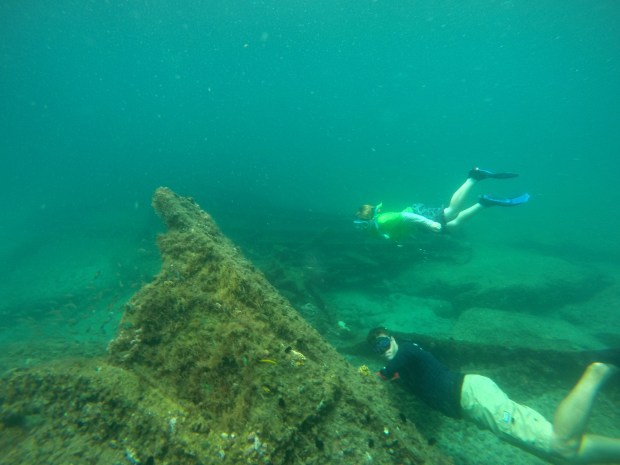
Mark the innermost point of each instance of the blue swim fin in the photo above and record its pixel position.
(480, 174)
(488, 201)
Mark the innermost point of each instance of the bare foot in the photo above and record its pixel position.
(602, 370)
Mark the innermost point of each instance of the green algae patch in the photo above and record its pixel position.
(210, 365)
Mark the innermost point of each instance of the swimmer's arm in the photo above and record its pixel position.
(409, 217)
(387, 375)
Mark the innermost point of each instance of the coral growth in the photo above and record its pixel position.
(210, 365)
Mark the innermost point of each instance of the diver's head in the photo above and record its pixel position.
(364, 216)
(365, 212)
(382, 342)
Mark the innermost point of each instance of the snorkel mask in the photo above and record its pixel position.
(382, 344)
(365, 224)
(362, 225)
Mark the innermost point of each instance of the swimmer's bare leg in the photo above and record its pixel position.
(571, 418)
(463, 216)
(456, 202)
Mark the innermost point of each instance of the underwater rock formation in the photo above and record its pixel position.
(210, 365)
(531, 283)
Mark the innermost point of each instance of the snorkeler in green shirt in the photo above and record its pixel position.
(399, 225)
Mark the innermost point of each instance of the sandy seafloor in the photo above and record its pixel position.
(65, 296)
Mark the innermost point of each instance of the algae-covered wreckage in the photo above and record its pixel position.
(210, 365)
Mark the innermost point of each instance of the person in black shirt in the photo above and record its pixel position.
(478, 399)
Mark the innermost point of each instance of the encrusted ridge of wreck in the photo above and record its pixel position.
(210, 365)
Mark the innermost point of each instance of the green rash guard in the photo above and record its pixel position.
(398, 225)
(392, 225)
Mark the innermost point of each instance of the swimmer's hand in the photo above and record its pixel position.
(435, 226)
(384, 378)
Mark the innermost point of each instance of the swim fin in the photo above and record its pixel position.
(488, 201)
(479, 174)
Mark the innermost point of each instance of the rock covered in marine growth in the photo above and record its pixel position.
(210, 365)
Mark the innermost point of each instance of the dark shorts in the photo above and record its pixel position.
(432, 213)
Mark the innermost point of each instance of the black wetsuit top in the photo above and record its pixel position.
(426, 377)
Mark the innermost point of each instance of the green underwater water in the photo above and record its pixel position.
(280, 119)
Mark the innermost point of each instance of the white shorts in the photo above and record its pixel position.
(486, 405)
